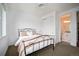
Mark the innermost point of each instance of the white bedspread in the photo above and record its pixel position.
(25, 38)
(28, 40)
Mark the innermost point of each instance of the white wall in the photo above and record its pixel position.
(48, 24)
(3, 45)
(57, 23)
(4, 41)
(24, 18)
(20, 18)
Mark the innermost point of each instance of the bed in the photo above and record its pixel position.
(30, 41)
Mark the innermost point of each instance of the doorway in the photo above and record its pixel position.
(65, 28)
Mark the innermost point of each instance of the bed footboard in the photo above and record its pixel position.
(39, 45)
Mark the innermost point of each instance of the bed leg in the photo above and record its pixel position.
(33, 47)
(24, 48)
(53, 46)
(51, 42)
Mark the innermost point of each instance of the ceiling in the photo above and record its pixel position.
(45, 8)
(59, 7)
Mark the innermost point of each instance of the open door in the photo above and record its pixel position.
(77, 29)
(65, 28)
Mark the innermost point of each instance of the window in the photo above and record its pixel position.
(2, 22)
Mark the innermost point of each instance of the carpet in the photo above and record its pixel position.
(61, 49)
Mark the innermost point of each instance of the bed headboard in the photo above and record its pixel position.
(22, 31)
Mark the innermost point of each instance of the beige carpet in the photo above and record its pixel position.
(61, 49)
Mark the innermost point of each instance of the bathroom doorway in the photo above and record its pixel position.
(65, 27)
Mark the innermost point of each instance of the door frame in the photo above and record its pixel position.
(60, 26)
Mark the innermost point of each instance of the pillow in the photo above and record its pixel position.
(29, 33)
(23, 34)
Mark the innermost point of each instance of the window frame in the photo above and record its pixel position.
(3, 21)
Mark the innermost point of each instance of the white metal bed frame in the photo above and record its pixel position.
(33, 30)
